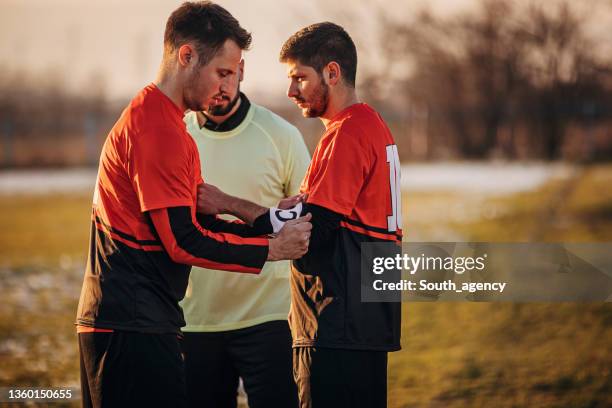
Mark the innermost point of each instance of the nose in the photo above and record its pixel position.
(292, 91)
(223, 88)
(227, 83)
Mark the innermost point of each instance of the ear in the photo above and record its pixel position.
(241, 70)
(332, 73)
(187, 55)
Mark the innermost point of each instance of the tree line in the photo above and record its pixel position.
(508, 80)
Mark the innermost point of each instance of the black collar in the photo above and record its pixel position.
(233, 121)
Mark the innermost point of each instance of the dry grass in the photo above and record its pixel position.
(508, 355)
(454, 355)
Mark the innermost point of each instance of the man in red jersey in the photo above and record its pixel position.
(341, 343)
(145, 230)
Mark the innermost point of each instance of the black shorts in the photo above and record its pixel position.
(261, 355)
(121, 369)
(333, 378)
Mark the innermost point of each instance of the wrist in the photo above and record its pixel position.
(230, 205)
(272, 248)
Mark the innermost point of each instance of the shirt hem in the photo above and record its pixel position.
(130, 328)
(235, 325)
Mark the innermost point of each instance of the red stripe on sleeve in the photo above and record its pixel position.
(162, 225)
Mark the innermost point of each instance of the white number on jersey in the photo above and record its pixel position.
(394, 221)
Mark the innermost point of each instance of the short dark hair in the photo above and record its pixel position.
(319, 44)
(208, 25)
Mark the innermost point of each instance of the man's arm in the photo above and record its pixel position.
(261, 220)
(261, 226)
(213, 201)
(187, 242)
(325, 225)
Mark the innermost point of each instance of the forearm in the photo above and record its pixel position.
(261, 226)
(213, 201)
(186, 242)
(246, 210)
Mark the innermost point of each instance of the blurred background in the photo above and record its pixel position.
(502, 113)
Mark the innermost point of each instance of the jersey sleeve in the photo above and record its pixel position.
(261, 226)
(161, 168)
(325, 224)
(339, 173)
(188, 243)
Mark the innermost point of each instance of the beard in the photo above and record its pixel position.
(318, 104)
(220, 110)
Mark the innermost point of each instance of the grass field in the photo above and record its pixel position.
(508, 355)
(454, 355)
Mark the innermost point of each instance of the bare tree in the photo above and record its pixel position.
(503, 65)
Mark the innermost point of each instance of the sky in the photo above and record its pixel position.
(117, 45)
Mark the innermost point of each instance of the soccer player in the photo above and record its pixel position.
(340, 343)
(145, 232)
(250, 152)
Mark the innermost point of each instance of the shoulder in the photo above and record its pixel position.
(273, 123)
(348, 131)
(285, 137)
(362, 125)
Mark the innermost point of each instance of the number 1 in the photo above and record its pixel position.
(394, 221)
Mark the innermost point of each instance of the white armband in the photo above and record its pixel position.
(279, 217)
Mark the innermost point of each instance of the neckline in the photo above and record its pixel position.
(212, 134)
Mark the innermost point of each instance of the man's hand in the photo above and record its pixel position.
(211, 200)
(292, 201)
(292, 240)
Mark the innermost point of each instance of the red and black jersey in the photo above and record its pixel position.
(144, 235)
(355, 174)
